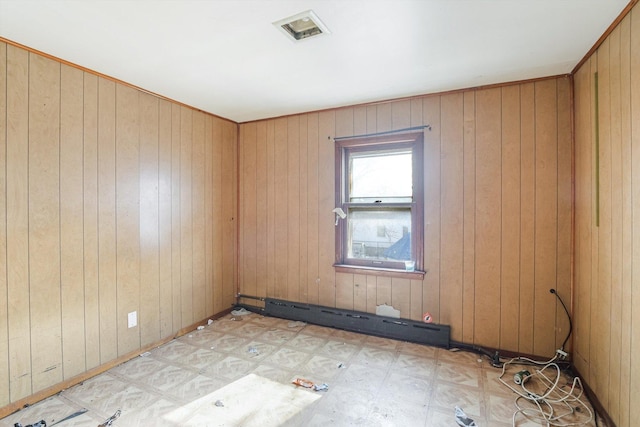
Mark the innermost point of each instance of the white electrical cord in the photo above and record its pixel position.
(546, 404)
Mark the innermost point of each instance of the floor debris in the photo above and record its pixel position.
(240, 312)
(109, 421)
(463, 420)
(296, 324)
(219, 403)
(309, 384)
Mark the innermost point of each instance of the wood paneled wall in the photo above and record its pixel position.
(607, 228)
(497, 212)
(111, 201)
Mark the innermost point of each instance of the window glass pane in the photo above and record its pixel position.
(379, 234)
(380, 176)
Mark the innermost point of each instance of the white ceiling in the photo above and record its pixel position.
(225, 56)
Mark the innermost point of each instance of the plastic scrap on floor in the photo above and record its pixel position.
(41, 423)
(109, 421)
(145, 354)
(219, 403)
(253, 350)
(341, 366)
(209, 322)
(463, 420)
(296, 324)
(309, 384)
(200, 327)
(240, 312)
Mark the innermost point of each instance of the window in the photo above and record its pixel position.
(379, 186)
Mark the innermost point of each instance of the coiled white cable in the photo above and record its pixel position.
(552, 400)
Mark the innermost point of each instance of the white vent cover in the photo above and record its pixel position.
(302, 26)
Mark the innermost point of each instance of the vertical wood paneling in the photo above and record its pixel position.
(127, 215)
(313, 255)
(218, 218)
(606, 255)
(107, 218)
(583, 207)
(303, 212)
(197, 202)
(109, 198)
(281, 214)
(634, 394)
(18, 223)
(4, 308)
(176, 218)
(601, 329)
(261, 211)
(208, 208)
(627, 221)
(431, 287)
(546, 216)
(510, 239)
(616, 228)
(527, 219)
(71, 221)
(326, 201)
(565, 200)
(229, 212)
(271, 209)
(90, 221)
(488, 208)
(595, 207)
(186, 216)
(164, 218)
(292, 217)
(149, 221)
(452, 200)
(469, 214)
(248, 232)
(44, 222)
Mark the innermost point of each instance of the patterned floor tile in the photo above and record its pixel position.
(391, 412)
(274, 373)
(139, 367)
(250, 330)
(197, 387)
(168, 378)
(411, 388)
(346, 336)
(420, 350)
(322, 367)
(202, 338)
(277, 336)
(95, 388)
(363, 378)
(470, 399)
(460, 357)
(414, 365)
(339, 350)
(130, 399)
(374, 357)
(307, 343)
(229, 343)
(459, 374)
(288, 358)
(384, 343)
(255, 350)
(152, 414)
(173, 350)
(230, 367)
(200, 358)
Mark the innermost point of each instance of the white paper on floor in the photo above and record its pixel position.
(250, 401)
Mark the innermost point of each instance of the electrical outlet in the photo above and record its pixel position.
(132, 319)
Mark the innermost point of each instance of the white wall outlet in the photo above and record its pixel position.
(132, 319)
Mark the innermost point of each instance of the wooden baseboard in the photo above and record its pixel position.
(54, 389)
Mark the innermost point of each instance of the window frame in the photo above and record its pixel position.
(343, 149)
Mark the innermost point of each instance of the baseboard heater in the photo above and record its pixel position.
(357, 321)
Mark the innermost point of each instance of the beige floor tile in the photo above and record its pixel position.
(459, 374)
(447, 396)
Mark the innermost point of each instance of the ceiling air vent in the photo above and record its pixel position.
(302, 26)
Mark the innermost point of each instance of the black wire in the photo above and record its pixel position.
(553, 291)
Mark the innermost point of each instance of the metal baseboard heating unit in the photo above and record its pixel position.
(357, 321)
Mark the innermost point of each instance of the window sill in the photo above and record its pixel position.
(385, 272)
